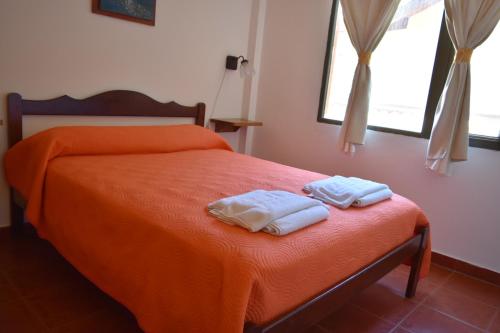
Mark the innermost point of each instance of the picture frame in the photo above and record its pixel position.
(140, 11)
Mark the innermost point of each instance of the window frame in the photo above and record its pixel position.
(443, 60)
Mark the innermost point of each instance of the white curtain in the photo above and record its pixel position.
(469, 23)
(366, 23)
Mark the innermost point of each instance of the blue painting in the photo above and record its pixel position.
(140, 9)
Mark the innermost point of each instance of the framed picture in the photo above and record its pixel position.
(141, 11)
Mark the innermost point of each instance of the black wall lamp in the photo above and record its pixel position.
(245, 66)
(232, 62)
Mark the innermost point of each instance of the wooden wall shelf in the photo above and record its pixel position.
(232, 124)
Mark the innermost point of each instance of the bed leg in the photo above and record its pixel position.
(16, 216)
(416, 264)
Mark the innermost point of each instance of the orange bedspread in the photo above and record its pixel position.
(26, 163)
(135, 223)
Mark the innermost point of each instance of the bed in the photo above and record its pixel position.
(127, 207)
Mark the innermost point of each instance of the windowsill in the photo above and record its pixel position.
(484, 142)
(377, 128)
(475, 141)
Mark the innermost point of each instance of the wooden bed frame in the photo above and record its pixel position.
(134, 104)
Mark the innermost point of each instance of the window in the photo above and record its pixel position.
(409, 70)
(484, 121)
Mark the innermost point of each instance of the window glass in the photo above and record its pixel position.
(402, 67)
(485, 71)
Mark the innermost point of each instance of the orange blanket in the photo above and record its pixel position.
(26, 163)
(136, 225)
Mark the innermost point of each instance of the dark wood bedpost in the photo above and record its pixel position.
(14, 118)
(200, 116)
(416, 264)
(15, 134)
(16, 214)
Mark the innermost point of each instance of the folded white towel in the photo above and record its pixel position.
(296, 221)
(373, 198)
(341, 191)
(255, 210)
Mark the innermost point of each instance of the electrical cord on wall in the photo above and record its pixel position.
(212, 112)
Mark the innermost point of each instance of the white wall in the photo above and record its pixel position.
(51, 48)
(464, 209)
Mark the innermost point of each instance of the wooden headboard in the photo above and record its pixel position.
(111, 103)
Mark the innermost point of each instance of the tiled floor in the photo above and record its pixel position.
(40, 292)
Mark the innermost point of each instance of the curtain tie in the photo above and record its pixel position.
(364, 57)
(463, 55)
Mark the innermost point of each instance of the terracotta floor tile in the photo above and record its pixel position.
(483, 291)
(384, 302)
(317, 329)
(351, 319)
(20, 256)
(425, 319)
(106, 321)
(58, 307)
(3, 280)
(16, 242)
(7, 293)
(42, 278)
(438, 275)
(403, 269)
(16, 317)
(396, 280)
(400, 330)
(462, 307)
(40, 282)
(495, 325)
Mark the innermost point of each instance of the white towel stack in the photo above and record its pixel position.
(343, 192)
(275, 212)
